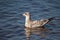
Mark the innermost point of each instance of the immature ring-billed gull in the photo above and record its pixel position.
(36, 23)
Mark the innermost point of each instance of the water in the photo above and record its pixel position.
(12, 22)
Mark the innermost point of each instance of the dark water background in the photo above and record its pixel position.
(12, 23)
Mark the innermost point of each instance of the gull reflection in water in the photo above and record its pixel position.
(39, 31)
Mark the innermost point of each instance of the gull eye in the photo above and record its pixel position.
(25, 13)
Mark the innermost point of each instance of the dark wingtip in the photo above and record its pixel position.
(51, 18)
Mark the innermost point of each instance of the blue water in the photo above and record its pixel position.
(12, 22)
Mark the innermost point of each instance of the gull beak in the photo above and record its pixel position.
(23, 14)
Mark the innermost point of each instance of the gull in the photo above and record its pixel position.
(35, 23)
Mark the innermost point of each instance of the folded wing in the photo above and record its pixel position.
(39, 23)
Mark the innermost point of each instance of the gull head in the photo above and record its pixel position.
(26, 14)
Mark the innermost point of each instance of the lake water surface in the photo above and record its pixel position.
(12, 22)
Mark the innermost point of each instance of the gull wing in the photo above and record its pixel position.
(42, 22)
(38, 23)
